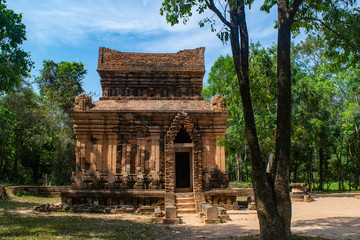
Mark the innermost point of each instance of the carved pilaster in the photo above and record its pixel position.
(155, 153)
(111, 154)
(220, 157)
(80, 151)
(141, 155)
(206, 152)
(97, 150)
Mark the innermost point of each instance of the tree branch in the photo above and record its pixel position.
(330, 29)
(294, 8)
(211, 5)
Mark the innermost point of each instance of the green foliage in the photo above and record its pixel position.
(325, 114)
(222, 81)
(61, 83)
(32, 137)
(174, 10)
(338, 21)
(240, 184)
(23, 194)
(15, 63)
(37, 139)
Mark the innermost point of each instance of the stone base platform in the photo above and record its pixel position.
(137, 198)
(301, 197)
(225, 198)
(145, 197)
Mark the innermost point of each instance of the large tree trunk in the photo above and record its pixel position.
(358, 151)
(283, 137)
(295, 170)
(246, 166)
(310, 168)
(271, 224)
(321, 172)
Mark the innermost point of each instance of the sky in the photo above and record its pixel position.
(68, 30)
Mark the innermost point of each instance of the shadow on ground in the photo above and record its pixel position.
(331, 227)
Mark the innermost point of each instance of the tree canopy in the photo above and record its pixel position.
(15, 63)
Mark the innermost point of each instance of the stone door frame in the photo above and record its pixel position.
(185, 147)
(183, 119)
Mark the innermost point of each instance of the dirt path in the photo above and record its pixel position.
(335, 216)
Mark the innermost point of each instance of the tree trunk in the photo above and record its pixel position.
(283, 127)
(238, 168)
(271, 224)
(358, 151)
(321, 163)
(246, 166)
(309, 168)
(1, 164)
(348, 169)
(295, 170)
(340, 173)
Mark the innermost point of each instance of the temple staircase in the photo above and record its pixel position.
(185, 202)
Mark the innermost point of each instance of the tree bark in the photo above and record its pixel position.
(283, 128)
(271, 224)
(309, 168)
(321, 163)
(271, 195)
(246, 166)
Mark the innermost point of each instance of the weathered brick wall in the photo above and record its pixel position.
(151, 76)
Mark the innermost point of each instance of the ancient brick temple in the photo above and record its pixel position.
(151, 134)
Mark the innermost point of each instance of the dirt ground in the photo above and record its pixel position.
(331, 216)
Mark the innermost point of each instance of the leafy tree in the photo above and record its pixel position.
(222, 80)
(271, 191)
(61, 83)
(32, 137)
(7, 125)
(42, 140)
(15, 63)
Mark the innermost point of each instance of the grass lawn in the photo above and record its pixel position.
(18, 221)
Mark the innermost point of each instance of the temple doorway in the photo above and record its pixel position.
(183, 162)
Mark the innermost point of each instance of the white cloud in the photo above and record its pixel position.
(54, 22)
(66, 21)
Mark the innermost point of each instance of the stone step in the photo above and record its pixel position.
(181, 195)
(185, 205)
(185, 200)
(186, 210)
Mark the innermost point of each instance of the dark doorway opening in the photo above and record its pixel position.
(182, 136)
(182, 166)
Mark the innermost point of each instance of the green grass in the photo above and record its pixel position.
(240, 184)
(334, 188)
(17, 224)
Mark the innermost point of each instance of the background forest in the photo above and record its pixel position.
(325, 114)
(37, 141)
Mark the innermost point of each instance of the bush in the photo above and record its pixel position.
(23, 193)
(240, 184)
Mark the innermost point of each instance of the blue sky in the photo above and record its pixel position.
(68, 30)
